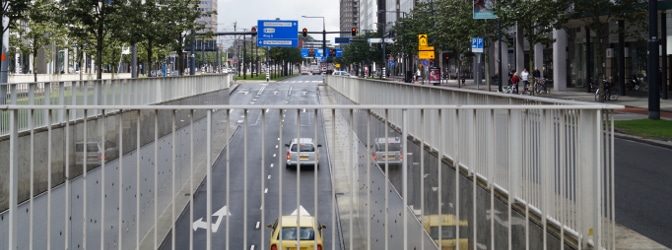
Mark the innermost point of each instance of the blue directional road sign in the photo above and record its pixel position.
(477, 44)
(278, 33)
(339, 52)
(342, 40)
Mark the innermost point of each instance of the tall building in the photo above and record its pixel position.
(210, 20)
(368, 16)
(349, 15)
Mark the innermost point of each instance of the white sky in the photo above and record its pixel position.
(247, 12)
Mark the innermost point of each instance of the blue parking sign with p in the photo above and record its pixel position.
(477, 44)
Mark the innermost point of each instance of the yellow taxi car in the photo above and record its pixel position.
(296, 232)
(446, 236)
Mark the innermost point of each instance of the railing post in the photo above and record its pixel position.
(590, 159)
(13, 176)
(61, 101)
(47, 101)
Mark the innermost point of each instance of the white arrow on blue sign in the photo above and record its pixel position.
(477, 44)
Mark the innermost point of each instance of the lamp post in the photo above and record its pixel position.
(324, 35)
(403, 14)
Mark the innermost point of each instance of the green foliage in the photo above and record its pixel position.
(359, 51)
(13, 10)
(536, 19)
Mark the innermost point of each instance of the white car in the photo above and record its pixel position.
(342, 73)
(301, 152)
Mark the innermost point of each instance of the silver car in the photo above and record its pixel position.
(302, 151)
(94, 151)
(392, 154)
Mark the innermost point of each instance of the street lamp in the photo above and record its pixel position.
(324, 35)
(403, 14)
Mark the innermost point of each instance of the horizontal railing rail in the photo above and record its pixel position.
(490, 170)
(551, 158)
(139, 91)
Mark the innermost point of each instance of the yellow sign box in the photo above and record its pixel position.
(422, 40)
(338, 65)
(425, 54)
(426, 48)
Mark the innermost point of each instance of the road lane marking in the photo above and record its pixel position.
(269, 176)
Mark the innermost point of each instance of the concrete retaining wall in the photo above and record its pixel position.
(60, 152)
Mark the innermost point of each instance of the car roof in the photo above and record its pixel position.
(446, 220)
(304, 221)
(302, 140)
(388, 140)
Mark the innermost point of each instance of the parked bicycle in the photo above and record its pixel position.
(610, 94)
(540, 86)
(635, 84)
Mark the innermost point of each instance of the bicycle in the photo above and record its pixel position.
(526, 89)
(540, 87)
(511, 89)
(610, 94)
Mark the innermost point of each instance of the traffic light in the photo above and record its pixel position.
(311, 52)
(332, 52)
(354, 31)
(254, 31)
(304, 32)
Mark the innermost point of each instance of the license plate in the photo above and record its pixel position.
(304, 157)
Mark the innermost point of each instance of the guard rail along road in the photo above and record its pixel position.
(549, 162)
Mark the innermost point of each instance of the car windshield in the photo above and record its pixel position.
(448, 232)
(304, 148)
(390, 146)
(305, 233)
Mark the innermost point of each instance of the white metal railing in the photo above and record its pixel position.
(140, 198)
(140, 91)
(553, 158)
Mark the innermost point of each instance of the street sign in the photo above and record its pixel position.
(304, 53)
(425, 47)
(422, 40)
(278, 33)
(477, 44)
(339, 52)
(424, 54)
(425, 63)
(342, 40)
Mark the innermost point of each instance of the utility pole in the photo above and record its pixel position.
(654, 90)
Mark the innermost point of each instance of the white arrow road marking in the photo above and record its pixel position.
(301, 211)
(200, 223)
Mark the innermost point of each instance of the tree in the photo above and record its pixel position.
(93, 19)
(40, 30)
(12, 10)
(359, 52)
(536, 19)
(181, 19)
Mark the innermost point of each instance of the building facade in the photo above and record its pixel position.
(210, 20)
(349, 17)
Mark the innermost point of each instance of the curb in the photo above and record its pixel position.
(657, 143)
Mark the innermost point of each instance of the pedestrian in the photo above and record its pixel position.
(525, 77)
(536, 73)
(514, 82)
(418, 75)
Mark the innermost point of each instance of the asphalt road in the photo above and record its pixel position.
(254, 184)
(643, 190)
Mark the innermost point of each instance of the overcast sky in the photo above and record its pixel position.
(246, 13)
